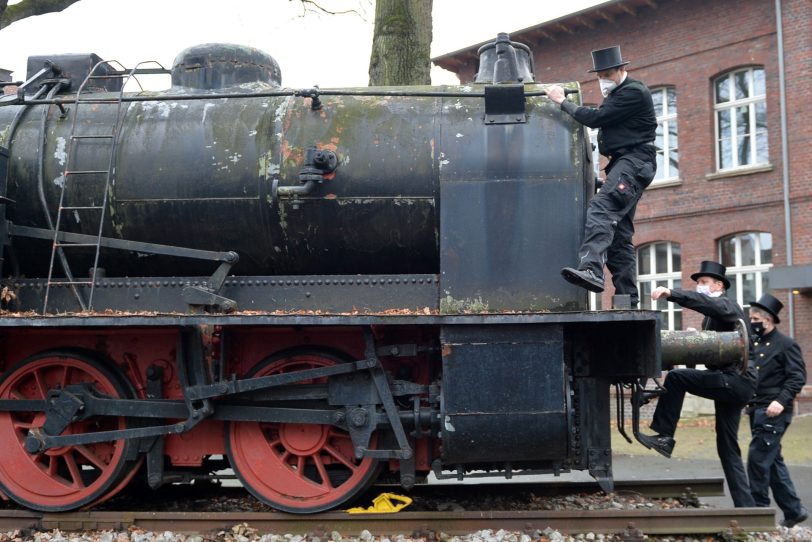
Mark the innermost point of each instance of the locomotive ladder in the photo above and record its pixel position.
(73, 170)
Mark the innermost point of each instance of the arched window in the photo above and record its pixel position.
(667, 142)
(659, 264)
(748, 258)
(741, 119)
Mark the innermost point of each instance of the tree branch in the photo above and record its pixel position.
(29, 8)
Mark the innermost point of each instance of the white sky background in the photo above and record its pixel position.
(311, 48)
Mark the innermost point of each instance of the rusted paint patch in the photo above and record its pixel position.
(446, 350)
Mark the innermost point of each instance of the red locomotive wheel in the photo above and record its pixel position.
(301, 468)
(69, 477)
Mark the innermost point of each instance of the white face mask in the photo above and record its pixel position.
(607, 86)
(704, 289)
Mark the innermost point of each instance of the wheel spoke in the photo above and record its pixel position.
(340, 457)
(41, 387)
(325, 479)
(73, 468)
(64, 381)
(53, 466)
(300, 464)
(91, 456)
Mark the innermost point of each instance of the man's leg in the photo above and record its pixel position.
(621, 259)
(728, 416)
(669, 405)
(607, 208)
(783, 489)
(760, 457)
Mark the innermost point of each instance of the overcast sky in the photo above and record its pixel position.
(311, 48)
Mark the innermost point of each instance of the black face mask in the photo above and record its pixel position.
(757, 328)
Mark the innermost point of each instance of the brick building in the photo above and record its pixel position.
(729, 181)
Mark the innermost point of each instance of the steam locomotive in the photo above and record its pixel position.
(310, 287)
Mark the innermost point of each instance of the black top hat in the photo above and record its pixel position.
(771, 305)
(606, 59)
(712, 269)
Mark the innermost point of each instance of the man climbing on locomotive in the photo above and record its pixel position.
(627, 127)
(728, 386)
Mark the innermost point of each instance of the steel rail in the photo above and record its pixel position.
(663, 488)
(651, 522)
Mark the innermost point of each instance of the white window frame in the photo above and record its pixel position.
(665, 119)
(669, 276)
(738, 270)
(732, 105)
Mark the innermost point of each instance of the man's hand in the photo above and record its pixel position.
(774, 409)
(556, 94)
(660, 291)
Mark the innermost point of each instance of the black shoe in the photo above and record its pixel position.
(662, 444)
(583, 278)
(800, 519)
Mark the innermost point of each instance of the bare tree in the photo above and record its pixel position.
(29, 8)
(401, 43)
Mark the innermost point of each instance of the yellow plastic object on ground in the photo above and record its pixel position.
(383, 504)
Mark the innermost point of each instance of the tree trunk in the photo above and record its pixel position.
(29, 8)
(401, 43)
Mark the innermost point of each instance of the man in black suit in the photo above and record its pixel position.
(628, 125)
(727, 386)
(781, 375)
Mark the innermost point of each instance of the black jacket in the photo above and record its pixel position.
(721, 313)
(626, 117)
(780, 367)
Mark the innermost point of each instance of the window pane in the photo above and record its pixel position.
(673, 140)
(658, 136)
(661, 259)
(677, 283)
(749, 288)
(661, 173)
(723, 121)
(643, 260)
(672, 101)
(677, 320)
(748, 249)
(734, 287)
(762, 155)
(674, 164)
(728, 248)
(740, 84)
(645, 295)
(759, 87)
(766, 241)
(722, 89)
(764, 282)
(743, 133)
(676, 260)
(657, 98)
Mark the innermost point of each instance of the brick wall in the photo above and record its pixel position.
(686, 44)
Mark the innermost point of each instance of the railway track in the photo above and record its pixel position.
(649, 522)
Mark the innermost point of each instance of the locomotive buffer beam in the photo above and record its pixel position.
(193, 295)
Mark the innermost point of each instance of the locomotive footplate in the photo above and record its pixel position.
(278, 293)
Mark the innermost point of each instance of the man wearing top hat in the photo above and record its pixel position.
(727, 386)
(781, 372)
(627, 127)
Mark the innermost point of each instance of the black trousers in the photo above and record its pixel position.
(730, 393)
(765, 465)
(609, 220)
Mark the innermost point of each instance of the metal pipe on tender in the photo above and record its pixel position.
(709, 348)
